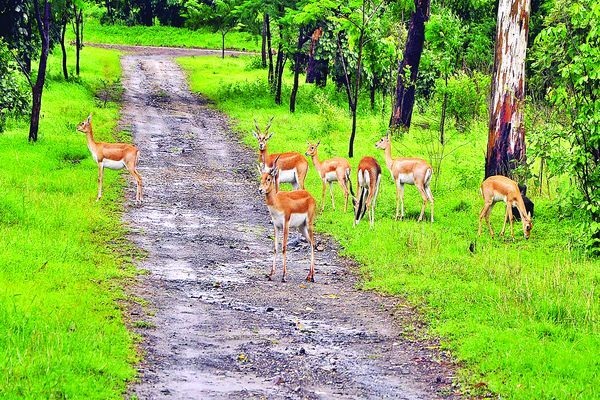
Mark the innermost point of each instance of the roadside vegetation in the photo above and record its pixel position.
(64, 257)
(520, 316)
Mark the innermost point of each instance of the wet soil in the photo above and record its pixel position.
(214, 326)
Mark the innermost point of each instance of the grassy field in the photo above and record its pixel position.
(167, 36)
(64, 256)
(520, 316)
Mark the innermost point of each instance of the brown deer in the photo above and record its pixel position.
(367, 187)
(113, 156)
(293, 167)
(412, 171)
(295, 209)
(331, 170)
(500, 188)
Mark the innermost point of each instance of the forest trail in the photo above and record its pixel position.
(215, 327)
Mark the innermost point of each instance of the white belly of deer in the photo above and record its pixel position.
(499, 197)
(330, 176)
(296, 220)
(112, 164)
(406, 178)
(287, 175)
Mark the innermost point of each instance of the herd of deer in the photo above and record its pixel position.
(297, 208)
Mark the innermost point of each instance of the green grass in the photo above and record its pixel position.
(63, 255)
(167, 36)
(520, 316)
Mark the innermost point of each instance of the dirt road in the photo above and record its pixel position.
(215, 327)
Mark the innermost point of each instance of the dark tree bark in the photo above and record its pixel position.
(506, 139)
(63, 30)
(223, 44)
(78, 21)
(321, 71)
(271, 73)
(263, 49)
(43, 23)
(302, 38)
(372, 90)
(312, 63)
(279, 65)
(405, 90)
(146, 15)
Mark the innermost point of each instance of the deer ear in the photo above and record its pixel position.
(89, 118)
(529, 215)
(260, 170)
(269, 136)
(318, 143)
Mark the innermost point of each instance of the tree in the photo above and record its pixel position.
(42, 18)
(506, 139)
(568, 52)
(220, 16)
(409, 67)
(78, 30)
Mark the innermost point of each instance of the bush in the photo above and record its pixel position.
(464, 101)
(14, 98)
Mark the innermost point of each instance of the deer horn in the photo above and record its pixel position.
(269, 123)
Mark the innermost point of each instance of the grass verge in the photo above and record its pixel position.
(64, 256)
(167, 36)
(520, 316)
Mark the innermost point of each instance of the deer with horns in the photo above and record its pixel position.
(292, 166)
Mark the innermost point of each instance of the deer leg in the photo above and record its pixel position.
(510, 218)
(485, 215)
(341, 176)
(307, 232)
(505, 219)
(400, 199)
(424, 197)
(487, 218)
(100, 178)
(286, 231)
(270, 276)
(430, 197)
(331, 193)
(323, 196)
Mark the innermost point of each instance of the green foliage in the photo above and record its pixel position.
(520, 316)
(464, 102)
(570, 44)
(64, 260)
(14, 96)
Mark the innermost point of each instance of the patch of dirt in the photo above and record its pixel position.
(216, 328)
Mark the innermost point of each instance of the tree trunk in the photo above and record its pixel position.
(146, 15)
(354, 106)
(444, 107)
(271, 74)
(78, 35)
(372, 89)
(405, 90)
(506, 139)
(263, 49)
(63, 30)
(296, 73)
(280, 63)
(311, 72)
(38, 87)
(223, 44)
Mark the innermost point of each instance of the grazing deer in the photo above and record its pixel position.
(500, 188)
(334, 169)
(112, 156)
(412, 171)
(292, 166)
(367, 187)
(295, 209)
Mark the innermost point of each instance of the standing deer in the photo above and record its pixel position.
(334, 169)
(292, 166)
(367, 187)
(113, 156)
(295, 209)
(412, 171)
(500, 188)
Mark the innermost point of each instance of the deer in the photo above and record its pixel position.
(295, 209)
(500, 188)
(412, 171)
(367, 187)
(331, 170)
(113, 156)
(293, 167)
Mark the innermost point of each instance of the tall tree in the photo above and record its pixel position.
(506, 139)
(42, 18)
(409, 67)
(78, 30)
